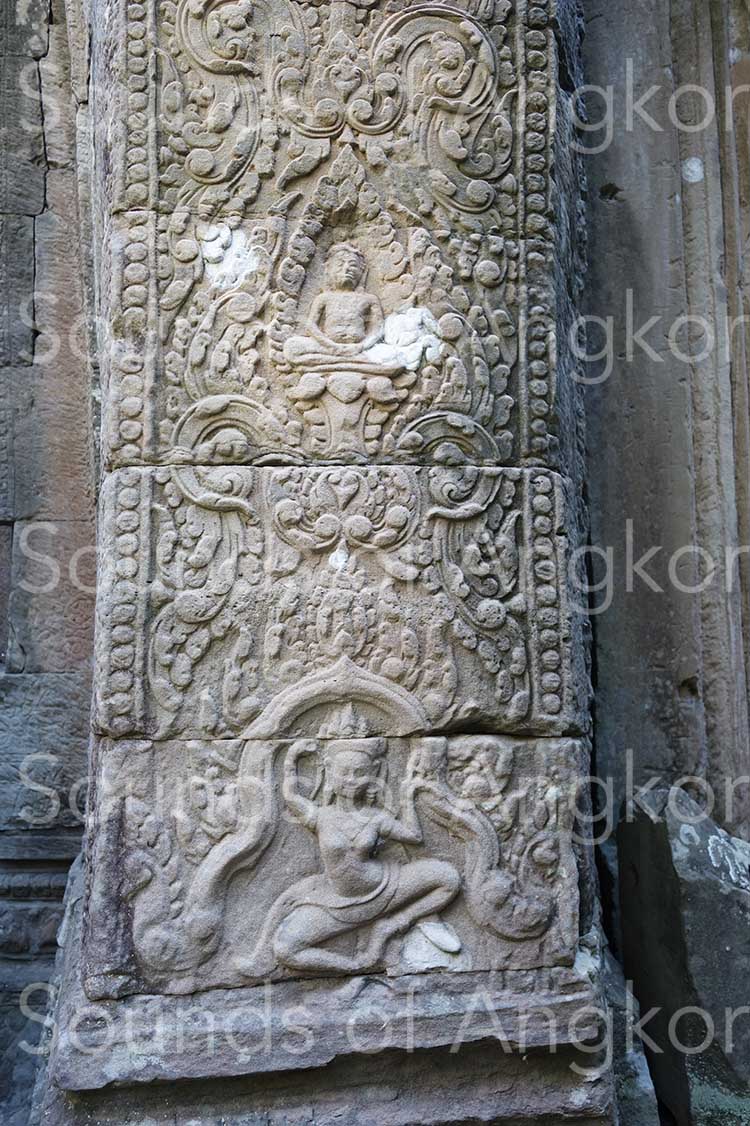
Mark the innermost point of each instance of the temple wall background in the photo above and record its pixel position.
(47, 486)
(666, 448)
(665, 234)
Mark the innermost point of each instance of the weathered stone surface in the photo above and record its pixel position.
(52, 468)
(242, 600)
(43, 743)
(482, 1085)
(30, 911)
(6, 546)
(7, 468)
(732, 25)
(22, 153)
(57, 96)
(61, 312)
(635, 249)
(45, 475)
(17, 289)
(363, 1018)
(480, 837)
(685, 888)
(636, 1098)
(433, 161)
(662, 461)
(52, 597)
(20, 1033)
(46, 405)
(56, 846)
(24, 28)
(699, 33)
(232, 1033)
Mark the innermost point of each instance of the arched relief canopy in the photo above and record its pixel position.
(386, 707)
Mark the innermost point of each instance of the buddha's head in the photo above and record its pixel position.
(345, 266)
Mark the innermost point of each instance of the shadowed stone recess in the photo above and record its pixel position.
(685, 888)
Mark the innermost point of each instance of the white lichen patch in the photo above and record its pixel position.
(408, 336)
(586, 965)
(693, 171)
(339, 558)
(433, 945)
(228, 256)
(731, 857)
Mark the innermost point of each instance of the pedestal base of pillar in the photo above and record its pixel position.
(434, 1049)
(477, 1087)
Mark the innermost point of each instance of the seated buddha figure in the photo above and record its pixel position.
(349, 347)
(343, 315)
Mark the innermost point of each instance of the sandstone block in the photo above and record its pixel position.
(17, 288)
(51, 601)
(25, 29)
(216, 865)
(43, 745)
(59, 289)
(302, 340)
(685, 890)
(322, 1053)
(22, 152)
(366, 272)
(254, 601)
(6, 548)
(7, 509)
(53, 463)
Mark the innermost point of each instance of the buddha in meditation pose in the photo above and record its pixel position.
(344, 321)
(350, 352)
(358, 893)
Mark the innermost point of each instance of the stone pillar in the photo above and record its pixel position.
(341, 692)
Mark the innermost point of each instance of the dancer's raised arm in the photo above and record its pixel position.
(304, 810)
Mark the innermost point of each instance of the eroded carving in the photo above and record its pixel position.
(265, 594)
(357, 854)
(286, 129)
(351, 363)
(429, 86)
(357, 891)
(332, 519)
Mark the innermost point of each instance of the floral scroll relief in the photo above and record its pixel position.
(393, 123)
(337, 350)
(280, 574)
(430, 79)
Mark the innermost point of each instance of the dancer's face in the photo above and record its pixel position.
(353, 775)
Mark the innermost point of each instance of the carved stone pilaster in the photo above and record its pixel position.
(341, 698)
